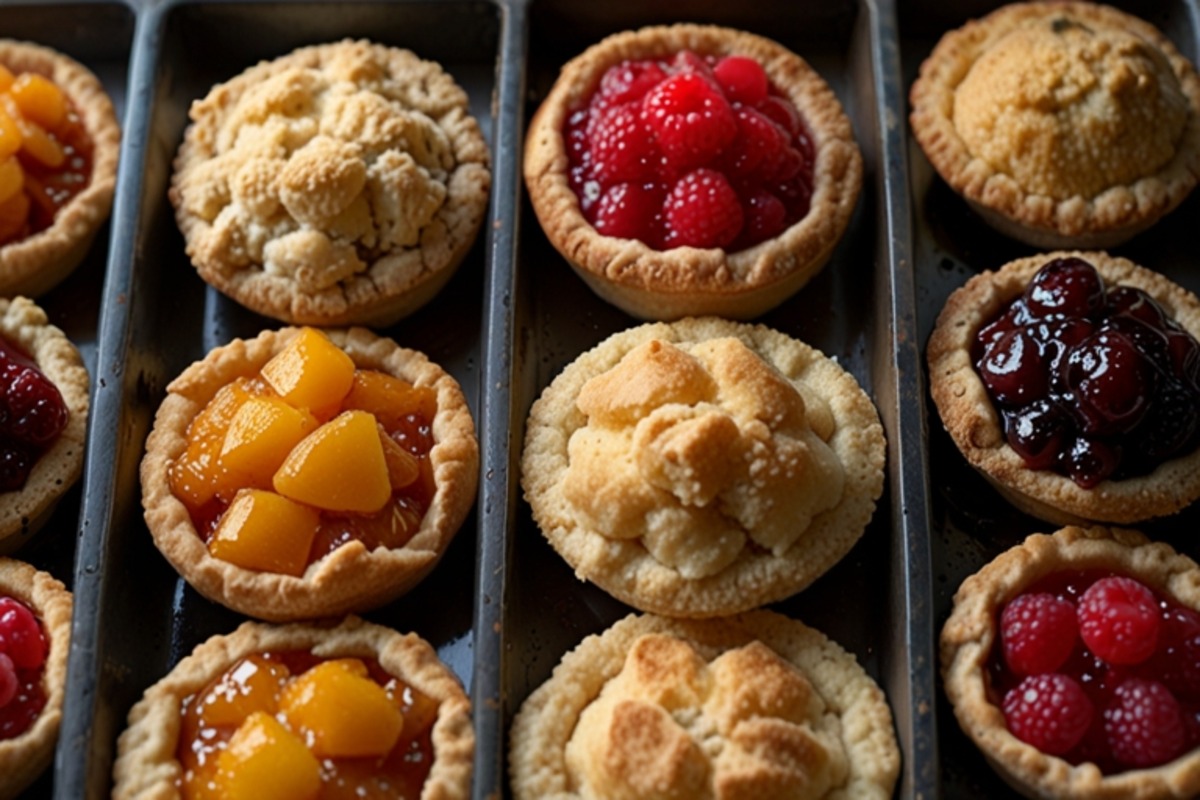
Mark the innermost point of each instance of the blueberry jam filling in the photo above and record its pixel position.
(1092, 383)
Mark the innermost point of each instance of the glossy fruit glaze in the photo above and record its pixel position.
(32, 415)
(690, 151)
(22, 662)
(1091, 382)
(1093, 666)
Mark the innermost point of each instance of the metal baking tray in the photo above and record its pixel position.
(970, 522)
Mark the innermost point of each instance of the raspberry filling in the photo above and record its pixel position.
(1097, 667)
(291, 724)
(22, 659)
(32, 415)
(695, 151)
(1092, 383)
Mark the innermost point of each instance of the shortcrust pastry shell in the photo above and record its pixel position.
(653, 284)
(1105, 219)
(972, 421)
(970, 635)
(23, 512)
(399, 277)
(855, 706)
(34, 265)
(351, 578)
(23, 758)
(623, 567)
(146, 765)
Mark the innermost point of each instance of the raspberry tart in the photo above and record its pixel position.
(702, 467)
(44, 392)
(692, 170)
(58, 165)
(35, 632)
(1073, 662)
(300, 474)
(297, 712)
(753, 706)
(1063, 124)
(1071, 380)
(340, 184)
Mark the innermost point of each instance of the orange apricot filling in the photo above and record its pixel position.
(45, 153)
(291, 725)
(284, 467)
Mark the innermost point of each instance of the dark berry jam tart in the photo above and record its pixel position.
(35, 632)
(1071, 380)
(302, 474)
(300, 712)
(1063, 124)
(58, 165)
(1073, 662)
(691, 170)
(44, 400)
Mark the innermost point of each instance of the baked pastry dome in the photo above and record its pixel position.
(672, 283)
(34, 264)
(59, 463)
(24, 757)
(348, 577)
(147, 764)
(974, 422)
(702, 467)
(751, 706)
(971, 634)
(340, 184)
(1064, 124)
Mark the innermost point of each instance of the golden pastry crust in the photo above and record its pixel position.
(1064, 124)
(36, 264)
(340, 184)
(970, 634)
(702, 467)
(23, 512)
(146, 766)
(351, 578)
(653, 284)
(22, 759)
(969, 416)
(752, 706)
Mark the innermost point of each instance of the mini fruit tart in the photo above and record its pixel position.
(44, 399)
(340, 184)
(702, 467)
(35, 634)
(300, 475)
(59, 140)
(1063, 124)
(753, 706)
(691, 170)
(1071, 380)
(1073, 662)
(297, 712)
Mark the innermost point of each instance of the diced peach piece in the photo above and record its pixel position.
(6, 78)
(266, 761)
(389, 398)
(264, 531)
(402, 465)
(13, 213)
(197, 476)
(311, 372)
(260, 435)
(10, 135)
(252, 684)
(419, 709)
(39, 99)
(40, 145)
(341, 712)
(12, 178)
(338, 467)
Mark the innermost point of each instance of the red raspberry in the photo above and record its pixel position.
(1050, 712)
(20, 635)
(692, 122)
(765, 218)
(781, 111)
(1038, 633)
(702, 210)
(742, 79)
(622, 148)
(687, 61)
(758, 149)
(629, 81)
(631, 211)
(1144, 724)
(1119, 620)
(1176, 662)
(8, 680)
